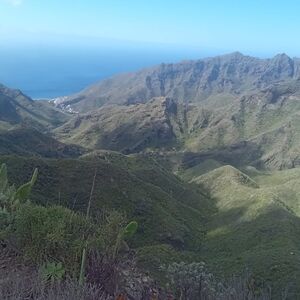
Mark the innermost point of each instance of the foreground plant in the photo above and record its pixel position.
(52, 271)
(190, 281)
(11, 198)
(123, 233)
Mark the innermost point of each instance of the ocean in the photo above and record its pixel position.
(43, 73)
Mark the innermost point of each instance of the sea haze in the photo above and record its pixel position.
(48, 72)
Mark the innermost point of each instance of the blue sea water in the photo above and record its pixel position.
(42, 72)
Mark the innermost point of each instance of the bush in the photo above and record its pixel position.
(22, 284)
(190, 281)
(194, 281)
(50, 233)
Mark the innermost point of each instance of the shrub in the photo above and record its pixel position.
(194, 281)
(50, 233)
(190, 281)
(22, 284)
(52, 271)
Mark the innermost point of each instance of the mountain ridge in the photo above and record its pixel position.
(204, 155)
(17, 110)
(194, 81)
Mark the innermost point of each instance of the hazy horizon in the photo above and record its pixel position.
(47, 72)
(57, 48)
(43, 72)
(255, 27)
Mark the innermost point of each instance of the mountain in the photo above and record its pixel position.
(257, 223)
(205, 155)
(16, 109)
(123, 128)
(186, 82)
(212, 105)
(168, 210)
(30, 142)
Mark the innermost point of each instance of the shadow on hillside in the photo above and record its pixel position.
(167, 210)
(30, 142)
(268, 246)
(241, 154)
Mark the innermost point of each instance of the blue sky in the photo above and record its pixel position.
(258, 27)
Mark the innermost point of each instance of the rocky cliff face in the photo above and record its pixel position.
(212, 105)
(124, 128)
(209, 106)
(186, 82)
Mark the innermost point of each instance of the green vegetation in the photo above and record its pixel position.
(45, 234)
(226, 104)
(160, 202)
(16, 109)
(54, 237)
(39, 234)
(233, 235)
(52, 271)
(203, 156)
(257, 224)
(30, 142)
(121, 128)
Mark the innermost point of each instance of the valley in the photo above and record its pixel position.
(204, 155)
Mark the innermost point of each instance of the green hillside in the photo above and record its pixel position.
(260, 126)
(30, 142)
(167, 209)
(122, 128)
(257, 223)
(18, 109)
(204, 155)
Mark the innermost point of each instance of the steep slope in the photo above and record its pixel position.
(263, 126)
(214, 107)
(211, 121)
(16, 109)
(168, 210)
(257, 224)
(260, 128)
(30, 142)
(189, 81)
(123, 128)
(219, 178)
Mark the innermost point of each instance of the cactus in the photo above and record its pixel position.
(130, 230)
(10, 197)
(124, 234)
(23, 192)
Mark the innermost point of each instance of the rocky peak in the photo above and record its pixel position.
(280, 67)
(188, 81)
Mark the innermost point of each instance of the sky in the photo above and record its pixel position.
(256, 27)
